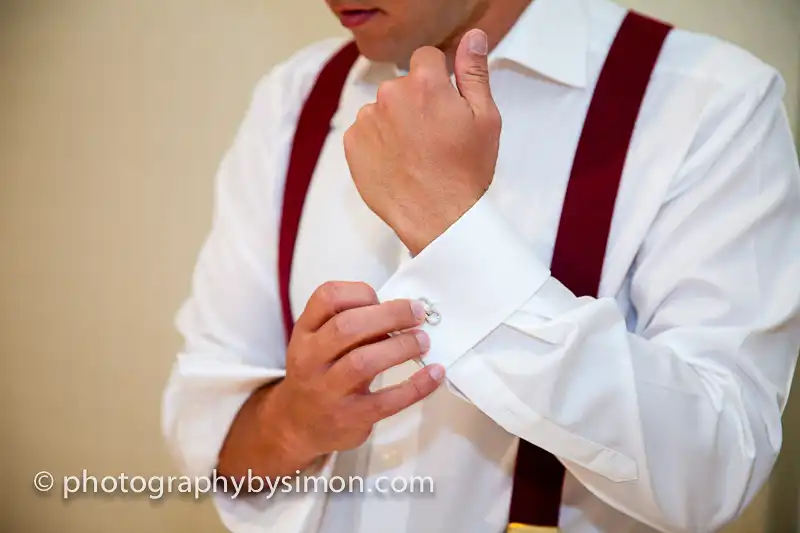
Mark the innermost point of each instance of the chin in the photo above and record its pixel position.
(377, 50)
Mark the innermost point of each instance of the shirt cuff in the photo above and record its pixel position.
(474, 276)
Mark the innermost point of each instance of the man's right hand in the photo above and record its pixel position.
(339, 345)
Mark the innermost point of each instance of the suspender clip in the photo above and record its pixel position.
(516, 527)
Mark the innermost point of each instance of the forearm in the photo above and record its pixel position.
(259, 442)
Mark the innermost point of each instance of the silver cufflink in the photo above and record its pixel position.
(433, 316)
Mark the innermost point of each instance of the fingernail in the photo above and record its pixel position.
(423, 340)
(436, 372)
(419, 310)
(478, 43)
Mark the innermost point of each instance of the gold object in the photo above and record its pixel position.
(515, 527)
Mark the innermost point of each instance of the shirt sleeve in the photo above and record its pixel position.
(674, 417)
(231, 322)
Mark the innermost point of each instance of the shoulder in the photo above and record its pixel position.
(704, 92)
(261, 147)
(298, 71)
(728, 89)
(281, 92)
(715, 64)
(708, 99)
(711, 68)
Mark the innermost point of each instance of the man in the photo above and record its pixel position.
(431, 336)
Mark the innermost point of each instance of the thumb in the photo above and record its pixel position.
(472, 71)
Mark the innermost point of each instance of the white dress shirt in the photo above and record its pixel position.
(662, 397)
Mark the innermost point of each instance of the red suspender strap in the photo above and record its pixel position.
(585, 219)
(313, 127)
(585, 222)
(592, 191)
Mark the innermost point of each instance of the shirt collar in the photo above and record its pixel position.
(551, 38)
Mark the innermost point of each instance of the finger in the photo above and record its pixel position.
(472, 72)
(358, 369)
(391, 400)
(429, 65)
(332, 298)
(356, 327)
(366, 115)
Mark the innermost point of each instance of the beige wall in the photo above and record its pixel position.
(113, 117)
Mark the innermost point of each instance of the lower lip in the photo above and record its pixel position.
(354, 20)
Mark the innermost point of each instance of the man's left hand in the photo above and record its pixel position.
(425, 151)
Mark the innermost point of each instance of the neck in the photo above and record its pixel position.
(494, 17)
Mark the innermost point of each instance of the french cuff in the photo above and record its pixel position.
(472, 277)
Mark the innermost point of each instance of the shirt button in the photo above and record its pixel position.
(433, 315)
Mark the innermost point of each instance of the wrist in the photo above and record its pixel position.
(285, 435)
(419, 227)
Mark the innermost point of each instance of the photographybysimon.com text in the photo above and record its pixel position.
(157, 487)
